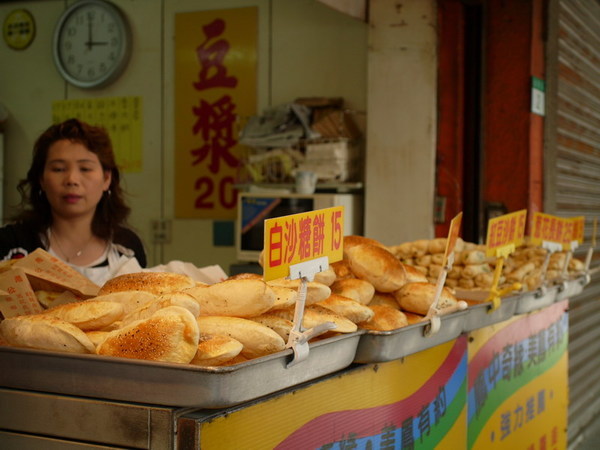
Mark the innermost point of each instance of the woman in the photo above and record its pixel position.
(72, 204)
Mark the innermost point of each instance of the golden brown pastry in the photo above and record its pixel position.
(216, 349)
(45, 333)
(378, 266)
(155, 282)
(257, 339)
(385, 318)
(418, 297)
(170, 335)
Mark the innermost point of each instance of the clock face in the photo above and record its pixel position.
(92, 43)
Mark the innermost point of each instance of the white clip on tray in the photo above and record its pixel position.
(571, 288)
(381, 346)
(168, 384)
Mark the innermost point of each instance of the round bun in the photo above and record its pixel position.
(378, 266)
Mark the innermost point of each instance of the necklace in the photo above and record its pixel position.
(77, 254)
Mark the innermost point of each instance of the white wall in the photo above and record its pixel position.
(305, 49)
(401, 121)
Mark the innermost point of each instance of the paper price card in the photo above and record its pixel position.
(302, 237)
(506, 231)
(557, 230)
(18, 298)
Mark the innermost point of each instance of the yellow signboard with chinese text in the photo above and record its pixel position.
(215, 69)
(301, 237)
(559, 230)
(505, 230)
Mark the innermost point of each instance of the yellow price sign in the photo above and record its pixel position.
(302, 237)
(452, 237)
(578, 229)
(559, 230)
(506, 230)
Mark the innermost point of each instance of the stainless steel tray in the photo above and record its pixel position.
(380, 346)
(571, 288)
(480, 315)
(540, 298)
(167, 384)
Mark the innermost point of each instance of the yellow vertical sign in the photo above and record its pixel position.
(215, 74)
(301, 237)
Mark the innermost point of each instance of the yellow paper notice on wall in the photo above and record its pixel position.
(120, 116)
(301, 237)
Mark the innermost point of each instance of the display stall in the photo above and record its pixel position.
(485, 373)
(492, 387)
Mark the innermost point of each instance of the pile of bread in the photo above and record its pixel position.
(472, 269)
(169, 317)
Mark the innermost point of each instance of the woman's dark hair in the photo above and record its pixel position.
(111, 211)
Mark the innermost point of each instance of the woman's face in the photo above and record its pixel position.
(73, 179)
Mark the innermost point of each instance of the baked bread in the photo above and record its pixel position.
(360, 290)
(284, 297)
(170, 335)
(257, 339)
(348, 308)
(315, 315)
(342, 269)
(216, 349)
(245, 276)
(353, 240)
(418, 297)
(45, 333)
(326, 277)
(384, 298)
(315, 292)
(181, 299)
(237, 298)
(378, 266)
(155, 282)
(279, 325)
(129, 299)
(385, 318)
(87, 315)
(414, 275)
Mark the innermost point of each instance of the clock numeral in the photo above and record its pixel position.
(71, 60)
(91, 72)
(78, 67)
(68, 45)
(102, 67)
(71, 31)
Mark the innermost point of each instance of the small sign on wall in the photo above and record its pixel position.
(538, 96)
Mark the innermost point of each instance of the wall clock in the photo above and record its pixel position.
(92, 43)
(18, 29)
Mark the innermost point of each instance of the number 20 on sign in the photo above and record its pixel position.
(301, 237)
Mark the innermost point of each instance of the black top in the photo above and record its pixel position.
(18, 240)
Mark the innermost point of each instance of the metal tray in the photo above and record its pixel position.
(571, 288)
(480, 315)
(168, 384)
(381, 346)
(540, 298)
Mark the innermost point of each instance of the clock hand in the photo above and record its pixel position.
(89, 41)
